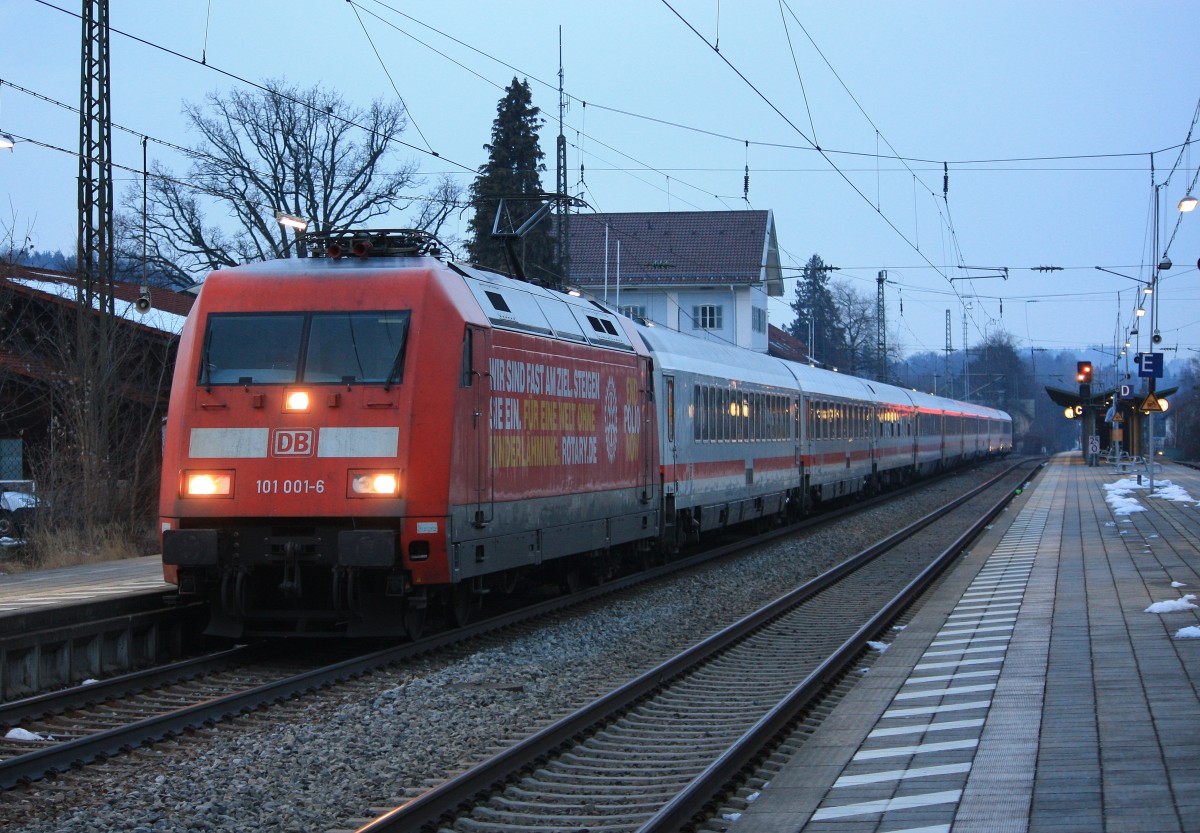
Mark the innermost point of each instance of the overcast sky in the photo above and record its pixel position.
(1048, 115)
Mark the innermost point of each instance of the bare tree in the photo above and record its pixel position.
(90, 418)
(20, 410)
(856, 317)
(303, 152)
(16, 243)
(438, 206)
(1184, 416)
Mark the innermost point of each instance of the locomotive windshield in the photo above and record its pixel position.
(318, 347)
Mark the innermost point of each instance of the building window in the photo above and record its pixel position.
(635, 311)
(707, 317)
(760, 320)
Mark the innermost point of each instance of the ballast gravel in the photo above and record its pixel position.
(321, 763)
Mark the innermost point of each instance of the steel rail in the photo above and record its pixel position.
(62, 756)
(14, 712)
(691, 801)
(438, 806)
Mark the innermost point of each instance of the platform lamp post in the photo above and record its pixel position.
(1155, 338)
(1186, 205)
(1163, 264)
(1147, 293)
(299, 225)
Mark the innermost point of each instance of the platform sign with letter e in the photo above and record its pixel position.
(1150, 365)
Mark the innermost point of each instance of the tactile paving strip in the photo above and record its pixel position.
(910, 773)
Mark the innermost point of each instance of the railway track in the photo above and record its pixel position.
(652, 755)
(55, 731)
(74, 727)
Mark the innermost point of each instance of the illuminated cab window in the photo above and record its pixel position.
(304, 347)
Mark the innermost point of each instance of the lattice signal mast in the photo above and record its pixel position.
(96, 261)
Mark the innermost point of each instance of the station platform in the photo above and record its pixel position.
(1033, 692)
(24, 592)
(69, 624)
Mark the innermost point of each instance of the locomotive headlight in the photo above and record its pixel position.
(374, 483)
(296, 401)
(207, 484)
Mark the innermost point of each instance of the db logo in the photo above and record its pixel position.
(300, 442)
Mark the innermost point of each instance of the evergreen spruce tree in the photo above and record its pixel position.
(817, 322)
(512, 173)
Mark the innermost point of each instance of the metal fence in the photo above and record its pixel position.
(12, 459)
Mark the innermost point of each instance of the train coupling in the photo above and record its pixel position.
(290, 586)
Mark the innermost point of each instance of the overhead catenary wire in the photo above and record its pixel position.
(666, 122)
(640, 164)
(811, 147)
(391, 80)
(617, 110)
(1191, 188)
(144, 174)
(799, 76)
(207, 23)
(666, 177)
(194, 153)
(775, 108)
(748, 142)
(240, 79)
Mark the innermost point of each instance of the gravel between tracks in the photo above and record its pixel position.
(315, 764)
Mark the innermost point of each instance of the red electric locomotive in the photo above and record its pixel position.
(357, 435)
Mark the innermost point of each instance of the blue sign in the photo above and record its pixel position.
(1150, 365)
(1126, 392)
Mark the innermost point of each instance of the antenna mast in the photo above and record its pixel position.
(949, 350)
(563, 203)
(881, 329)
